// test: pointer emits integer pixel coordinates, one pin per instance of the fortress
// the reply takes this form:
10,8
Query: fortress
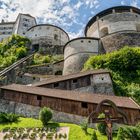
107,31
75,94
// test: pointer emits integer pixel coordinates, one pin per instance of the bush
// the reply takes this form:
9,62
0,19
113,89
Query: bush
45,115
84,125
124,66
128,132
101,126
94,136
21,52
8,118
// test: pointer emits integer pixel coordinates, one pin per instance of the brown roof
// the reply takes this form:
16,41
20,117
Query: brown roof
125,102
70,76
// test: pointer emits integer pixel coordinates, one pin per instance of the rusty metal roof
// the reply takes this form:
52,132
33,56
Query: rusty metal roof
124,102
70,76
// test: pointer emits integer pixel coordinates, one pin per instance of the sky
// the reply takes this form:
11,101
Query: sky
71,15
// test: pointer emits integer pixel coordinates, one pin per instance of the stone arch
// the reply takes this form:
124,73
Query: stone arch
104,31
99,110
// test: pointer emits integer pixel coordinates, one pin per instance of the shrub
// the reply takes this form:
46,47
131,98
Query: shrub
84,125
128,132
45,115
94,136
101,126
8,118
21,52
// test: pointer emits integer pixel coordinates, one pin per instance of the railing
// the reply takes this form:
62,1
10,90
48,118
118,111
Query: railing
14,65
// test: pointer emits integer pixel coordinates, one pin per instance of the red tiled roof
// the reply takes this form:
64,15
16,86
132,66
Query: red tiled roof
124,102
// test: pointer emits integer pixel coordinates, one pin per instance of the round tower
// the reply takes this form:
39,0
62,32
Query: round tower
116,27
47,38
77,51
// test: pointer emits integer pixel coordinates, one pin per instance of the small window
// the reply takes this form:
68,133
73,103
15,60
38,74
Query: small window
89,41
82,41
56,84
84,105
39,97
55,37
74,81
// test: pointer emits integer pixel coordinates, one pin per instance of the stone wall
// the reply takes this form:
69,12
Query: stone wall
118,40
33,111
77,51
48,69
114,22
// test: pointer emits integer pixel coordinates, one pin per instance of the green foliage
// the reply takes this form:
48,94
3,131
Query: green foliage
12,49
8,118
101,126
45,115
84,126
128,132
94,136
125,69
21,52
41,59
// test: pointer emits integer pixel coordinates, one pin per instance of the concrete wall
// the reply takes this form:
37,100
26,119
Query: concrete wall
76,52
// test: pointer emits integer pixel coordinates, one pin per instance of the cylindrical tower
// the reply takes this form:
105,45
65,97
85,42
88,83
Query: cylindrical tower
77,51
116,27
47,38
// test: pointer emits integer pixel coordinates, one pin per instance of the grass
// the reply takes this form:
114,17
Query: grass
76,133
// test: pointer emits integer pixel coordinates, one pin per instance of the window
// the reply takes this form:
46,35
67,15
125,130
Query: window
84,105
56,85
104,31
55,37
138,27
89,41
39,97
74,80
82,41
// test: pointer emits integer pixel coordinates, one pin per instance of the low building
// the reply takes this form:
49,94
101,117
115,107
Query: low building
97,81
68,106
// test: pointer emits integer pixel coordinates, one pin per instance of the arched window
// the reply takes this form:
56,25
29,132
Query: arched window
138,27
104,31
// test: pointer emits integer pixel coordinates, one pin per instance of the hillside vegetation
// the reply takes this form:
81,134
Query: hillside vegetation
125,69
12,49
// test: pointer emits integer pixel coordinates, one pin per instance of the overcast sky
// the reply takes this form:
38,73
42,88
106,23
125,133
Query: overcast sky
71,15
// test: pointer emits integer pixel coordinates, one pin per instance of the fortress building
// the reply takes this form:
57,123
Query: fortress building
47,38
107,31
20,26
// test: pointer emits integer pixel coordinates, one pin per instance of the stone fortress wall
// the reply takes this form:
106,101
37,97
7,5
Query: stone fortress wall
77,51
116,27
113,29
47,38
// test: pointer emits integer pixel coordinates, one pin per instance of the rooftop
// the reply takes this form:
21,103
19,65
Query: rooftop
70,76
124,102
